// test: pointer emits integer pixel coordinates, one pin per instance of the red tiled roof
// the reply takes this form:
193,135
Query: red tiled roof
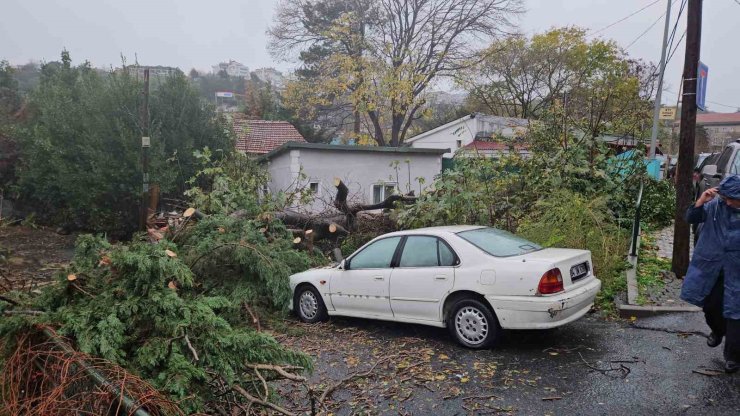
262,136
483,145
719,118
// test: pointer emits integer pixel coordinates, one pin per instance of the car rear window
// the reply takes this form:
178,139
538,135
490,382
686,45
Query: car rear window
498,243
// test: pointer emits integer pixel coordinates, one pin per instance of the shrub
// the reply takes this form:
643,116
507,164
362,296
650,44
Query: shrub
567,219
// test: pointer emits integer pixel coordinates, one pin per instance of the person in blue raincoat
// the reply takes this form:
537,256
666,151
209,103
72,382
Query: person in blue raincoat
713,278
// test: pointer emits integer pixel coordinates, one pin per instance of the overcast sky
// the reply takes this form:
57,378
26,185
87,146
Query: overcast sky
198,34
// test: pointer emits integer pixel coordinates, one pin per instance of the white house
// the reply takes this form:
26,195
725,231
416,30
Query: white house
463,131
371,173
232,69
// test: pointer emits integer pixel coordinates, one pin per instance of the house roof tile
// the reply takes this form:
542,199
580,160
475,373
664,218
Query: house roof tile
262,136
718,118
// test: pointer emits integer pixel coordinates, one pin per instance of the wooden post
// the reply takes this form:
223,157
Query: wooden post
684,169
145,143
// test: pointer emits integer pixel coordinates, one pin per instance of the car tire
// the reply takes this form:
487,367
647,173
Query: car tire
473,324
308,305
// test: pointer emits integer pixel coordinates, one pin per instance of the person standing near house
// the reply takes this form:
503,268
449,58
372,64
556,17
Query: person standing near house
713,278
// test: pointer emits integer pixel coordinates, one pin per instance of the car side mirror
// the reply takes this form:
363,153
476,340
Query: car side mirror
343,265
709,170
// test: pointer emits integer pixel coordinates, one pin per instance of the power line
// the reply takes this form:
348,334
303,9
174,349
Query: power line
711,102
648,29
675,25
674,49
627,17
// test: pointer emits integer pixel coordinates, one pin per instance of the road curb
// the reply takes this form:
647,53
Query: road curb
628,311
631,309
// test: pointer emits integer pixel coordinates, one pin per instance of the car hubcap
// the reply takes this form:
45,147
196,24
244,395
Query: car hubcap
471,325
309,304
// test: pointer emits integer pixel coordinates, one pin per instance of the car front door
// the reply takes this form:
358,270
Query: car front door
425,273
362,288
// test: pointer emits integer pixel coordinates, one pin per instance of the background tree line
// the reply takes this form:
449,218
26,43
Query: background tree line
79,138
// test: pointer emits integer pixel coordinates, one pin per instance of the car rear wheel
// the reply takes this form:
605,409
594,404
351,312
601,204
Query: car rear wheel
308,305
473,324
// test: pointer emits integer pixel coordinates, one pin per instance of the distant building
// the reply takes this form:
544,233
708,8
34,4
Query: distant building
722,128
463,131
154,71
232,69
257,137
270,75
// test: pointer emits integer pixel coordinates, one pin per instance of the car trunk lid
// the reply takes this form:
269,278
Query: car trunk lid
575,265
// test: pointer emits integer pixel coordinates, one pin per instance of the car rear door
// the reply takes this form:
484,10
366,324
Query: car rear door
424,274
362,289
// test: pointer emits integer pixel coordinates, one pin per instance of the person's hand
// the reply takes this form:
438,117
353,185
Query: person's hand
705,197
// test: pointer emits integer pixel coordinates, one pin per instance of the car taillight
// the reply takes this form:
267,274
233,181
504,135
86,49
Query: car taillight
551,282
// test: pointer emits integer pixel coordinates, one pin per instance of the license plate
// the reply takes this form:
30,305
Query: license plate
578,271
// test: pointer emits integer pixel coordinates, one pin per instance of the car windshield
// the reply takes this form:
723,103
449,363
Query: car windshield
498,243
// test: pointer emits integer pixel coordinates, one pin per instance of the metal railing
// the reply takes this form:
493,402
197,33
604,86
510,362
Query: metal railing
636,223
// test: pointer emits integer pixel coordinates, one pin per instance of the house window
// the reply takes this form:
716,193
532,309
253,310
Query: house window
459,144
382,191
313,188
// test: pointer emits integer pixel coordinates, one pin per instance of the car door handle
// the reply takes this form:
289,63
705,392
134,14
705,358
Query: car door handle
440,277
379,278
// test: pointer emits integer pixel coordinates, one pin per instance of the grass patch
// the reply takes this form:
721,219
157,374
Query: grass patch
649,268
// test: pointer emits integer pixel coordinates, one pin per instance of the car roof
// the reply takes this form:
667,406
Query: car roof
440,230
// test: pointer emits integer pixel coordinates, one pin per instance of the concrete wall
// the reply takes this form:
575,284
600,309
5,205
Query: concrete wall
358,170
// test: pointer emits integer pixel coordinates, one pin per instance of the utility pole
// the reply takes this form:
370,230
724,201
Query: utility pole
145,143
684,193
659,94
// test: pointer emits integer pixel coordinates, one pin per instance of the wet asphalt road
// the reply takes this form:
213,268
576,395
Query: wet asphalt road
529,366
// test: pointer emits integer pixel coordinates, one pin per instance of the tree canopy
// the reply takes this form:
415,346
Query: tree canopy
379,58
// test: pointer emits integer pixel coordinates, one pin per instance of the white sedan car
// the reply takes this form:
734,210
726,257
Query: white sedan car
473,280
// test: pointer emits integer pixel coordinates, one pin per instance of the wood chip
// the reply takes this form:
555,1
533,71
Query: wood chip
170,253
172,285
296,240
189,212
71,277
332,228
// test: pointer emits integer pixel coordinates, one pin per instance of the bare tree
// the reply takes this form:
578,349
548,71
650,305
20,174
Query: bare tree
385,54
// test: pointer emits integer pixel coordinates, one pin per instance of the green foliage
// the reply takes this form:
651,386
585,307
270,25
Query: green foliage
567,219
136,304
658,202
226,184
242,262
477,191
81,147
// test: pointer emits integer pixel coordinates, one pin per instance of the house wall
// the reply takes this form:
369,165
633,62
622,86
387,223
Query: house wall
465,130
358,170
447,137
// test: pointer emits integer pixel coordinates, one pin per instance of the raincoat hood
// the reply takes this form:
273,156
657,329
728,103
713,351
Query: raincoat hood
730,187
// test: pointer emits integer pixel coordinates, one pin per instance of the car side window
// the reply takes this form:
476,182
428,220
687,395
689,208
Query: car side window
446,256
419,251
377,255
724,160
736,166
426,251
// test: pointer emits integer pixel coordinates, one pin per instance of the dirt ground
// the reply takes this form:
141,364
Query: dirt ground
30,256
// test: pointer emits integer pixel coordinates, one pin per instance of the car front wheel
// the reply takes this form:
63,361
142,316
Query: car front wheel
473,324
309,305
